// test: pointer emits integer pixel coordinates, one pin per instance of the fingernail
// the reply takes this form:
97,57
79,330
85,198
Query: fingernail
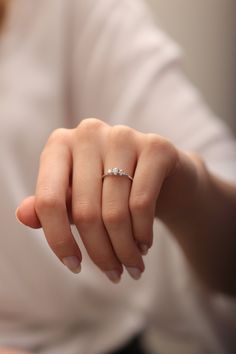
143,248
113,275
72,263
135,273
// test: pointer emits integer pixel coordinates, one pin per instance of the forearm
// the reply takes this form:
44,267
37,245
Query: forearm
200,211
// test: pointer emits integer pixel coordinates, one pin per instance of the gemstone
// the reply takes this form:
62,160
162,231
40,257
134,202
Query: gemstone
116,171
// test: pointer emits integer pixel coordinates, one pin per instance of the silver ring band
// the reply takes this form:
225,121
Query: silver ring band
115,171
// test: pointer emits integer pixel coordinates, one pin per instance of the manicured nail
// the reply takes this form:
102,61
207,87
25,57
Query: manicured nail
113,275
135,273
72,263
143,248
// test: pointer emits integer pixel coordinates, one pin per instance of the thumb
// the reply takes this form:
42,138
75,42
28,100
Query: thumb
26,213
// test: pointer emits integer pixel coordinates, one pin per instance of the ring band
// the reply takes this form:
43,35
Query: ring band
115,171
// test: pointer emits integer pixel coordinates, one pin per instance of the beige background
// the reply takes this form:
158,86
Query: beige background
206,30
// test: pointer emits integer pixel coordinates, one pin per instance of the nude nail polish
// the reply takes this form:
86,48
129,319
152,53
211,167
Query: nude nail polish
72,263
113,275
135,273
143,248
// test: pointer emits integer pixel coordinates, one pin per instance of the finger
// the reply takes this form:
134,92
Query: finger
115,202
87,210
50,204
151,170
26,213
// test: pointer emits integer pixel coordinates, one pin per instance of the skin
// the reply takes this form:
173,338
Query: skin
114,215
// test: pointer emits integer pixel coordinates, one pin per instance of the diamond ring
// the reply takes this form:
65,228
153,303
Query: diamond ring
115,171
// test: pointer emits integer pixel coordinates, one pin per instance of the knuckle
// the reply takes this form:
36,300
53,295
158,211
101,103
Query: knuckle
162,147
84,215
59,135
47,202
90,125
158,143
114,216
140,202
121,133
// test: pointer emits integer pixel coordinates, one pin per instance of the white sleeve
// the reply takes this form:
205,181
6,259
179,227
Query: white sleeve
127,71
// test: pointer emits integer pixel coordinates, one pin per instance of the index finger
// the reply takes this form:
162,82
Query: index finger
50,203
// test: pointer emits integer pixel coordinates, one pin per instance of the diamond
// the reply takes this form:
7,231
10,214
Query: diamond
116,171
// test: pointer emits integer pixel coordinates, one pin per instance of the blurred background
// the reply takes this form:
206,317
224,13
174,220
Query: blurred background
206,31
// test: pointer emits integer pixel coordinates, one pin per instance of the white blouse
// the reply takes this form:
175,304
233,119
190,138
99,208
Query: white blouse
61,61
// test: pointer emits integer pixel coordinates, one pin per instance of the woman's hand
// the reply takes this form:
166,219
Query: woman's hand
114,215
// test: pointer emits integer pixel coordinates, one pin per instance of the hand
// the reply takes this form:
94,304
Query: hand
114,216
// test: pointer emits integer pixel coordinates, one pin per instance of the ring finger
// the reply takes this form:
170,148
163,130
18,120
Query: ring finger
86,210
115,202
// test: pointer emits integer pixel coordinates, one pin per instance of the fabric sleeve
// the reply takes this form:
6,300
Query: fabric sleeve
125,70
